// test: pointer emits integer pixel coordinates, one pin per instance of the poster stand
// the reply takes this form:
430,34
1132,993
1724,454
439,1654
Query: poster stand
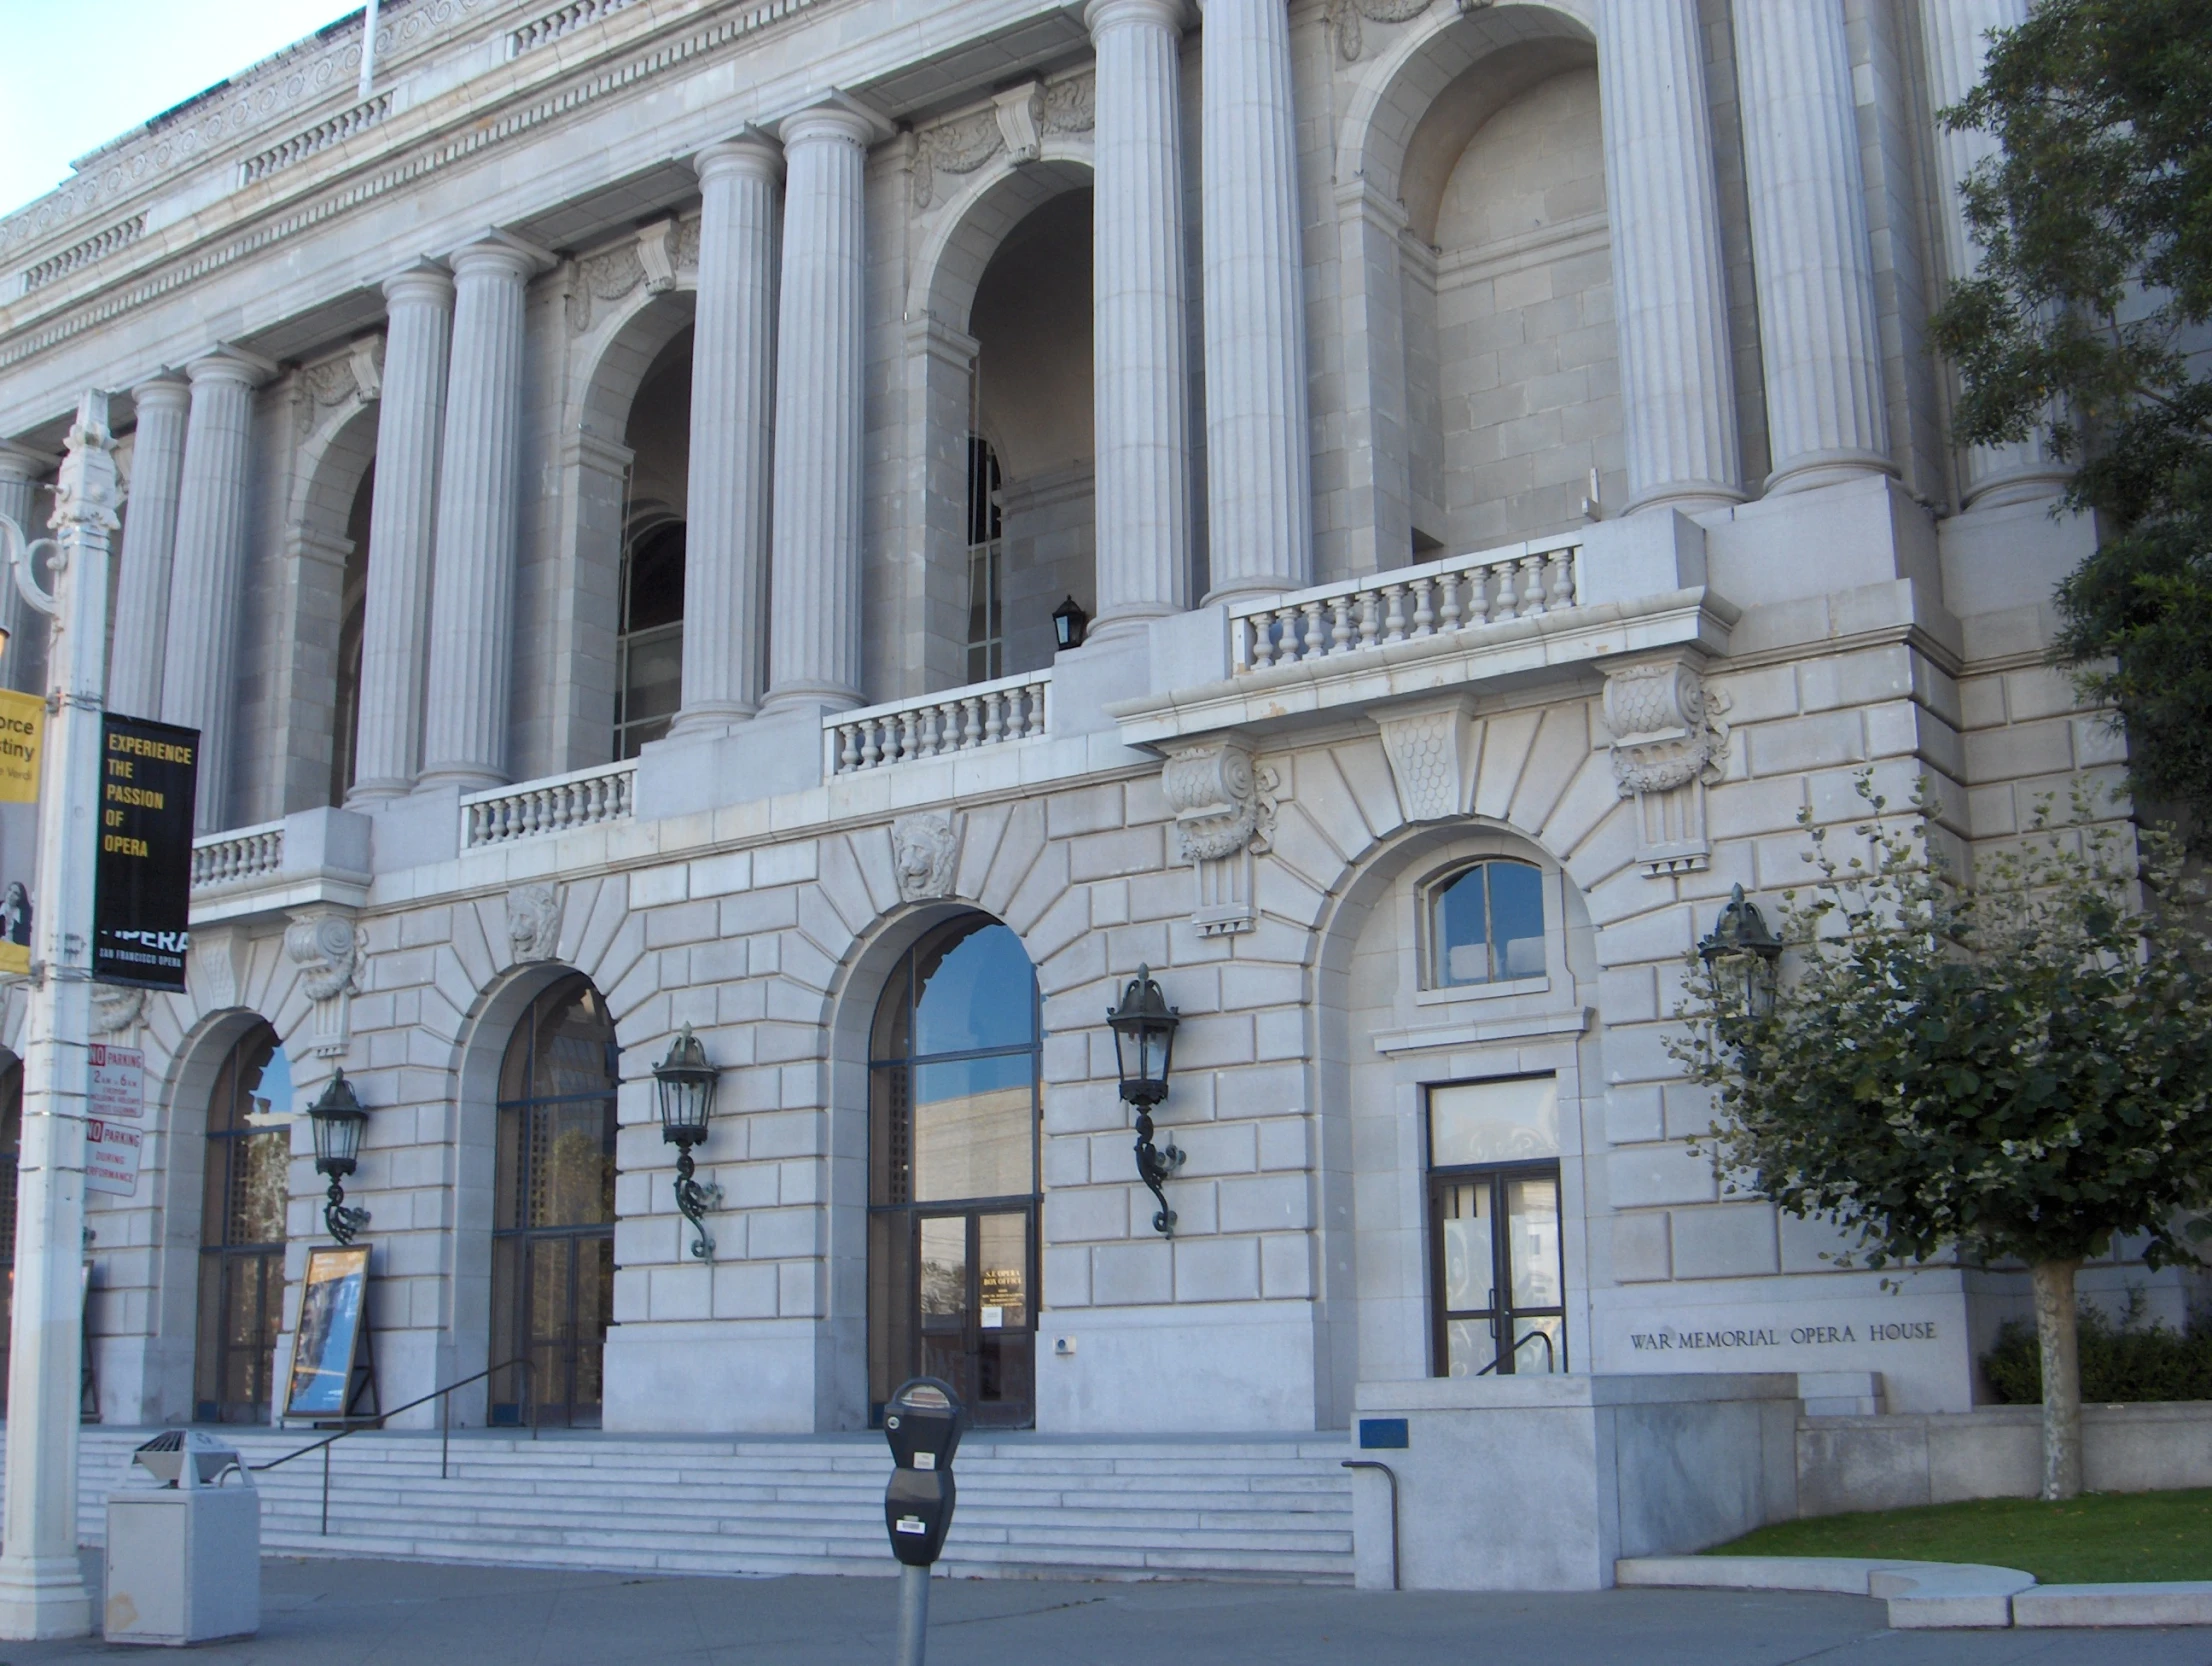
333,1377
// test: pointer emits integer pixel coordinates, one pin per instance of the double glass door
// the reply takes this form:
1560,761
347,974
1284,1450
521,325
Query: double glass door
1500,1297
973,1310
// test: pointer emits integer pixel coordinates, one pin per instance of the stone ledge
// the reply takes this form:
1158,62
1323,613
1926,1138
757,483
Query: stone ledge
2185,1602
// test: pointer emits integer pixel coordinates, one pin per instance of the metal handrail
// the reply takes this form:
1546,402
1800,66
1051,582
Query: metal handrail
445,1424
1391,1476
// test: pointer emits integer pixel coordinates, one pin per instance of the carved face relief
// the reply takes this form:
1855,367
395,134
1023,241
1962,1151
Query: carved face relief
924,847
534,921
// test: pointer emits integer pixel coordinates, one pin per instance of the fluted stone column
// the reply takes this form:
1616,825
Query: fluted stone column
1259,474
814,640
726,533
1678,396
472,589
199,670
1826,418
1955,34
149,547
21,469
395,617
1139,322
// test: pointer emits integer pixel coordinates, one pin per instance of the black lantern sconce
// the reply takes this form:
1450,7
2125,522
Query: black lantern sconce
685,1083
1744,957
1144,1048
1069,622
339,1122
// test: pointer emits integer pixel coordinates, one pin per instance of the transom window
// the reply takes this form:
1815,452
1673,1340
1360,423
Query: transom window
1496,1277
1486,924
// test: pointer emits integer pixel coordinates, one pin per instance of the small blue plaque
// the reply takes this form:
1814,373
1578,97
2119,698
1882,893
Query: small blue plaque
1382,1434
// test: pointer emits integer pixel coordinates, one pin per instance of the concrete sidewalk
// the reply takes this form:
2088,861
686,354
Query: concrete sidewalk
330,1613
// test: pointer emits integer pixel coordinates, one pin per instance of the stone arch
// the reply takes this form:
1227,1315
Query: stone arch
919,619
568,606
325,555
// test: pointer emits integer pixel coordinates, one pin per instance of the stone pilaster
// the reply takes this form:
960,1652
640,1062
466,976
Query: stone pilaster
1259,473
1139,317
1955,37
149,547
1677,395
814,644
1826,417
199,672
21,470
726,537
472,587
395,616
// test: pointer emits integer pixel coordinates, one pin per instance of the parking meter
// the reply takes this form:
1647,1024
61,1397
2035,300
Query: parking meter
923,1422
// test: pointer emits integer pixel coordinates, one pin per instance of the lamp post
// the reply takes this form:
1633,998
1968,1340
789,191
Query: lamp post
685,1082
1069,622
1144,1048
339,1121
1743,955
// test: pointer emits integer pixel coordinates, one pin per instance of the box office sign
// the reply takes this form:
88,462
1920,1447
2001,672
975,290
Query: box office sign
143,881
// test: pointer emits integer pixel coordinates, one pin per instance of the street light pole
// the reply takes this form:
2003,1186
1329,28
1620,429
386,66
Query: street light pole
42,1590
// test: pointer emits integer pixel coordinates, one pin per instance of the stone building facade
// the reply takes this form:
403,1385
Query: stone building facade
600,484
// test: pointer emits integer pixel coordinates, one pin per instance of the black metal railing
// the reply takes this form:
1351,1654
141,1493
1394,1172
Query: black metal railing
445,1425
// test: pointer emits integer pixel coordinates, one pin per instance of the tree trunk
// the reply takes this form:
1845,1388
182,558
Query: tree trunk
2059,1336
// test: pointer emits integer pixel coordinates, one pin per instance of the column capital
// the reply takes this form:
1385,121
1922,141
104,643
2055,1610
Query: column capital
168,389
226,363
495,250
748,151
1101,15
20,462
425,280
837,115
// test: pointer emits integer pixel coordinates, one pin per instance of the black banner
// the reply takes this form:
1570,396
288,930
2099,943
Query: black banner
142,892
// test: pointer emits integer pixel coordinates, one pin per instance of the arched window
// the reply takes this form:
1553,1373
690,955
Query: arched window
1486,924
952,1163
353,612
649,673
553,1226
247,1182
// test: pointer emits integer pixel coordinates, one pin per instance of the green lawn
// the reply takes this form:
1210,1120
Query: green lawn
2097,1537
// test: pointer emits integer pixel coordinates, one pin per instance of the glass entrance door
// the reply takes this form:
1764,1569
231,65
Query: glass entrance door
972,1311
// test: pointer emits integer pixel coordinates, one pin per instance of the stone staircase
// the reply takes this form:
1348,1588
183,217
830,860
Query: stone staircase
1256,1507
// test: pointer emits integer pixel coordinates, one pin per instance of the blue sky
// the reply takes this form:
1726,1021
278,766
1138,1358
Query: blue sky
75,73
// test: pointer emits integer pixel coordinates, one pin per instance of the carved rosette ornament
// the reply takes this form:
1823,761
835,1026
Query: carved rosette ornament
329,949
1224,804
534,922
1669,745
925,848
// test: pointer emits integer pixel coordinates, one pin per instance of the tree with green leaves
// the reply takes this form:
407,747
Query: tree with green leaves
2087,322
2011,1065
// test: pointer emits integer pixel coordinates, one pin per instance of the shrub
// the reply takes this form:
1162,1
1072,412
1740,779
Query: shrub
2127,1360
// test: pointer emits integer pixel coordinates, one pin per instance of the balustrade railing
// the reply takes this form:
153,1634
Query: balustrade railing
938,725
557,804
1452,597
245,853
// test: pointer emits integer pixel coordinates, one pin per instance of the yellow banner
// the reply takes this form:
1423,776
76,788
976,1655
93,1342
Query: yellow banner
22,731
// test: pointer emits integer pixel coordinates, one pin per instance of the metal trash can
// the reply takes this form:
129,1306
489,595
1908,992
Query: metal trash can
184,1553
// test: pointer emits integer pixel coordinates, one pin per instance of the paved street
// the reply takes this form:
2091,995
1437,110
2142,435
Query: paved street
404,1614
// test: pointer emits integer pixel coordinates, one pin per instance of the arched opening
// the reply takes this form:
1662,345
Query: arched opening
1032,452
345,735
649,633
955,1074
246,1183
553,1202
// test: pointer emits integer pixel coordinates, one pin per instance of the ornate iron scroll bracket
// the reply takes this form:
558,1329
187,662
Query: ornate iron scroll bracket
1155,1167
343,1219
693,1199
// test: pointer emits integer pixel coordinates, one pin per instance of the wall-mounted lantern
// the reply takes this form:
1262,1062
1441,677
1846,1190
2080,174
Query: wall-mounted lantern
1744,957
339,1121
1144,1048
1069,622
685,1082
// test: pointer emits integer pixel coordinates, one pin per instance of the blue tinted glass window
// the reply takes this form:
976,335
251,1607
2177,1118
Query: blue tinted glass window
1486,924
980,992
1516,919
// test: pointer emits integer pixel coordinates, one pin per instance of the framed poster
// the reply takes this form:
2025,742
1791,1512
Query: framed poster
333,1377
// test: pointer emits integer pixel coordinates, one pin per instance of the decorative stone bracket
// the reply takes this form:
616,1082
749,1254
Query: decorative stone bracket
1669,744
925,849
1016,122
1224,804
329,949
1431,751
